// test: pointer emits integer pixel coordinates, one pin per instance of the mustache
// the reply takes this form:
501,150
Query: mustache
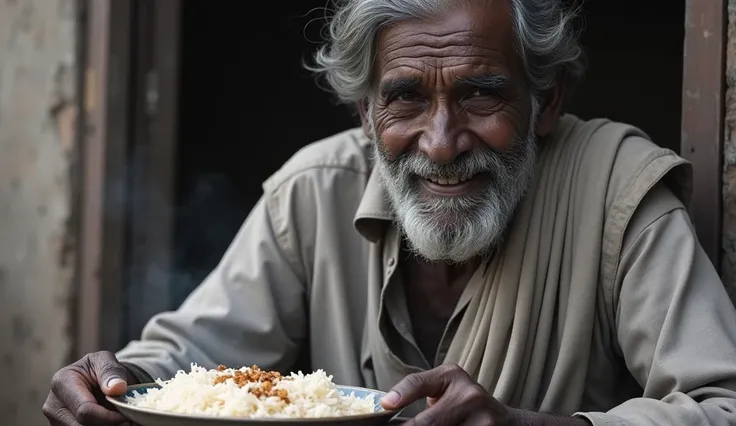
467,164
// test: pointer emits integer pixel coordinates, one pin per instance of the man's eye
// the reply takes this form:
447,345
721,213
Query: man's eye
479,93
406,97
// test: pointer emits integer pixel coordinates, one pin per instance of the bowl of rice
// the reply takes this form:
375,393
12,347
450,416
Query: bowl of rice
250,396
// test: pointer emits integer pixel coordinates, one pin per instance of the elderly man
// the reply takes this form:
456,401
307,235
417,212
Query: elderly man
484,257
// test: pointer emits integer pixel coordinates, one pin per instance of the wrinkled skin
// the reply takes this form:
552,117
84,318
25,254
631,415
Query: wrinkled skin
453,398
78,392
433,85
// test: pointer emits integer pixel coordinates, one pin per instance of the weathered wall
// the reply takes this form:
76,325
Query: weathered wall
37,89
728,266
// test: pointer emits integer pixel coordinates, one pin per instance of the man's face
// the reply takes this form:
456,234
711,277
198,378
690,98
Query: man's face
454,126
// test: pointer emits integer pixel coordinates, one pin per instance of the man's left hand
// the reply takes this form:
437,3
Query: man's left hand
453,397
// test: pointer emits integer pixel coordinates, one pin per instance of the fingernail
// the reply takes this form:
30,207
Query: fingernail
391,398
114,381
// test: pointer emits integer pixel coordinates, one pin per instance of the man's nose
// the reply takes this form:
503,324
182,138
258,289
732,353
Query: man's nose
442,141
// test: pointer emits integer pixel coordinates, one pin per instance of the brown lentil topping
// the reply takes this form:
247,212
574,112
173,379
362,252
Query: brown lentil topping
266,381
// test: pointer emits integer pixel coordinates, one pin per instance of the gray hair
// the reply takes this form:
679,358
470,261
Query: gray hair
546,42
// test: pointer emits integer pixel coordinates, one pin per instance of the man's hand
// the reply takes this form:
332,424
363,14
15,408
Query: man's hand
454,398
78,392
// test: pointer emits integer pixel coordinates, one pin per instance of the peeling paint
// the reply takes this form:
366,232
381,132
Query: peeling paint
37,124
728,264
65,118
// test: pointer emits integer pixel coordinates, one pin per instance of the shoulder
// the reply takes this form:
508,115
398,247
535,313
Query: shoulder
318,190
347,153
655,211
622,156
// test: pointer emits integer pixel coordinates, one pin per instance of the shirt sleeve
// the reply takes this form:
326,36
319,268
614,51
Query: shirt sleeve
676,329
250,310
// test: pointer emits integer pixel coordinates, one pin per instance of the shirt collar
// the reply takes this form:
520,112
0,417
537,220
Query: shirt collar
374,212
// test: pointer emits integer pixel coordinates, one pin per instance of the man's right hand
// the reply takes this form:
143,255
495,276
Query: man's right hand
78,392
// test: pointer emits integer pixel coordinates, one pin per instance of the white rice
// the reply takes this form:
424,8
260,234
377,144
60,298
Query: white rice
194,393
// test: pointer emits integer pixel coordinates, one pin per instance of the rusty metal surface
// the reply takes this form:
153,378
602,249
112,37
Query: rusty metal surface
703,116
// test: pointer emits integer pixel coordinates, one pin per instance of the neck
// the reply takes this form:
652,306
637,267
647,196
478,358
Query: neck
450,274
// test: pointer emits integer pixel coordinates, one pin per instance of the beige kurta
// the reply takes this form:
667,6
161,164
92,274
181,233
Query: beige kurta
300,288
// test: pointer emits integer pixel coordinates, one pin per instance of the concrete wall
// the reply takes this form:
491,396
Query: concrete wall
37,90
728,266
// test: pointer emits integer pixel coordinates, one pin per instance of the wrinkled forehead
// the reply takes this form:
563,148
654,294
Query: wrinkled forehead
473,38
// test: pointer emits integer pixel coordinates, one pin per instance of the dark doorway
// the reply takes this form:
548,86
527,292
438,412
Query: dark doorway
246,105
635,56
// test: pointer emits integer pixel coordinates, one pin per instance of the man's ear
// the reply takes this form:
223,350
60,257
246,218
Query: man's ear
363,112
551,109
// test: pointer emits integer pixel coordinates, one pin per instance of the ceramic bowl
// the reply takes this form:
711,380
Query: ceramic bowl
149,417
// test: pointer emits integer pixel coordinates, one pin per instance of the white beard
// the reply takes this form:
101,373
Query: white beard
457,229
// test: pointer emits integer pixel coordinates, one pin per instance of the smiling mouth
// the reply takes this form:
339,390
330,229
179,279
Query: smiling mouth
455,186
451,181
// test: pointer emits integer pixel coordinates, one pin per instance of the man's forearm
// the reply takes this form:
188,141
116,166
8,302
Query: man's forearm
530,418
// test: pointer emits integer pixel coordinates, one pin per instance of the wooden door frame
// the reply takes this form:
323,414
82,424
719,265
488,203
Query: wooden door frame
103,130
703,113
128,100
153,160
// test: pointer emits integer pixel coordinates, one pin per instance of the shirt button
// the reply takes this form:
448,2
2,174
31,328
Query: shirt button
391,262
